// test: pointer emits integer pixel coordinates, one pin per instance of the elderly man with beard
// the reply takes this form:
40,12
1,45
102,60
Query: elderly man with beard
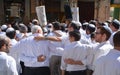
7,63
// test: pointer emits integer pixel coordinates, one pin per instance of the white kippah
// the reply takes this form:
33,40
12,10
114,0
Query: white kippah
116,22
3,27
9,30
34,20
86,23
77,22
91,25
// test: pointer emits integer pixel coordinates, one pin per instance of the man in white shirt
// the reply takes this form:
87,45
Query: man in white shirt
55,55
7,63
75,50
110,64
11,33
34,54
102,36
115,25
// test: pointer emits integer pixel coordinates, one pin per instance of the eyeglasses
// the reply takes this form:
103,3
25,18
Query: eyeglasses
97,33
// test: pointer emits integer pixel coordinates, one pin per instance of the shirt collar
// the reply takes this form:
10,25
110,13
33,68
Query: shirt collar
3,53
116,51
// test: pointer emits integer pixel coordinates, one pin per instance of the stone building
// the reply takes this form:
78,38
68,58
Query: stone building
24,10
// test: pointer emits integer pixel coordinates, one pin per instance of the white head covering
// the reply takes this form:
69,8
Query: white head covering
3,27
10,30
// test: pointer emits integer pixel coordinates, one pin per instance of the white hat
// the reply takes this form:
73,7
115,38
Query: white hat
34,20
10,30
77,22
86,23
3,27
21,24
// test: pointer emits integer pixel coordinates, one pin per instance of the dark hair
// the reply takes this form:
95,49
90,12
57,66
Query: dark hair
23,28
56,25
3,42
62,27
11,34
116,24
92,35
74,26
104,30
93,22
75,34
116,39
90,28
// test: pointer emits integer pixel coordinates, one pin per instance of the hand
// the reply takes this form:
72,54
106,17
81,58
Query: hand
69,61
39,38
57,34
72,62
41,58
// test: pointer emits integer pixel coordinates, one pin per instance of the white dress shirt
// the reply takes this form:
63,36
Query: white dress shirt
109,64
15,54
90,55
31,49
7,65
56,47
111,38
101,50
76,51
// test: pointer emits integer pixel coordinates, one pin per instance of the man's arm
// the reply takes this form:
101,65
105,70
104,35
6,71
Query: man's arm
63,72
12,69
51,38
73,62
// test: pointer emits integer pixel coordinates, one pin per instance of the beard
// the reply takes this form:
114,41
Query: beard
7,50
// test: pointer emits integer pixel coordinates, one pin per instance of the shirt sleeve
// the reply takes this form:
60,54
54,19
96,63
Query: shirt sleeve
63,64
12,69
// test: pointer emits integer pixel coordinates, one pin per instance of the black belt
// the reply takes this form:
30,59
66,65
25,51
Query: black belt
76,71
37,67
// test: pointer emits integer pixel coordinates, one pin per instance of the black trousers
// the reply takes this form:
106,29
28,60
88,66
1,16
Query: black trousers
82,72
36,71
22,66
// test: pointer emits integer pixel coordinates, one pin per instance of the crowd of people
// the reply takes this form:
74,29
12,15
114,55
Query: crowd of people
70,48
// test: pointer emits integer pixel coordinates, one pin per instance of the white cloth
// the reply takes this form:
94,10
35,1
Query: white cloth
2,33
22,35
111,38
31,49
56,47
13,42
85,40
15,54
7,65
109,64
65,40
77,52
101,50
90,52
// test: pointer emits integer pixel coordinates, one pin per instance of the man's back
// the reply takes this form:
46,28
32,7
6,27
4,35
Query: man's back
8,65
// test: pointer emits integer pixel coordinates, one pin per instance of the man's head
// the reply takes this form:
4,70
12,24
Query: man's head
4,44
90,28
116,39
115,25
56,25
23,28
73,26
74,35
36,29
11,33
102,34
